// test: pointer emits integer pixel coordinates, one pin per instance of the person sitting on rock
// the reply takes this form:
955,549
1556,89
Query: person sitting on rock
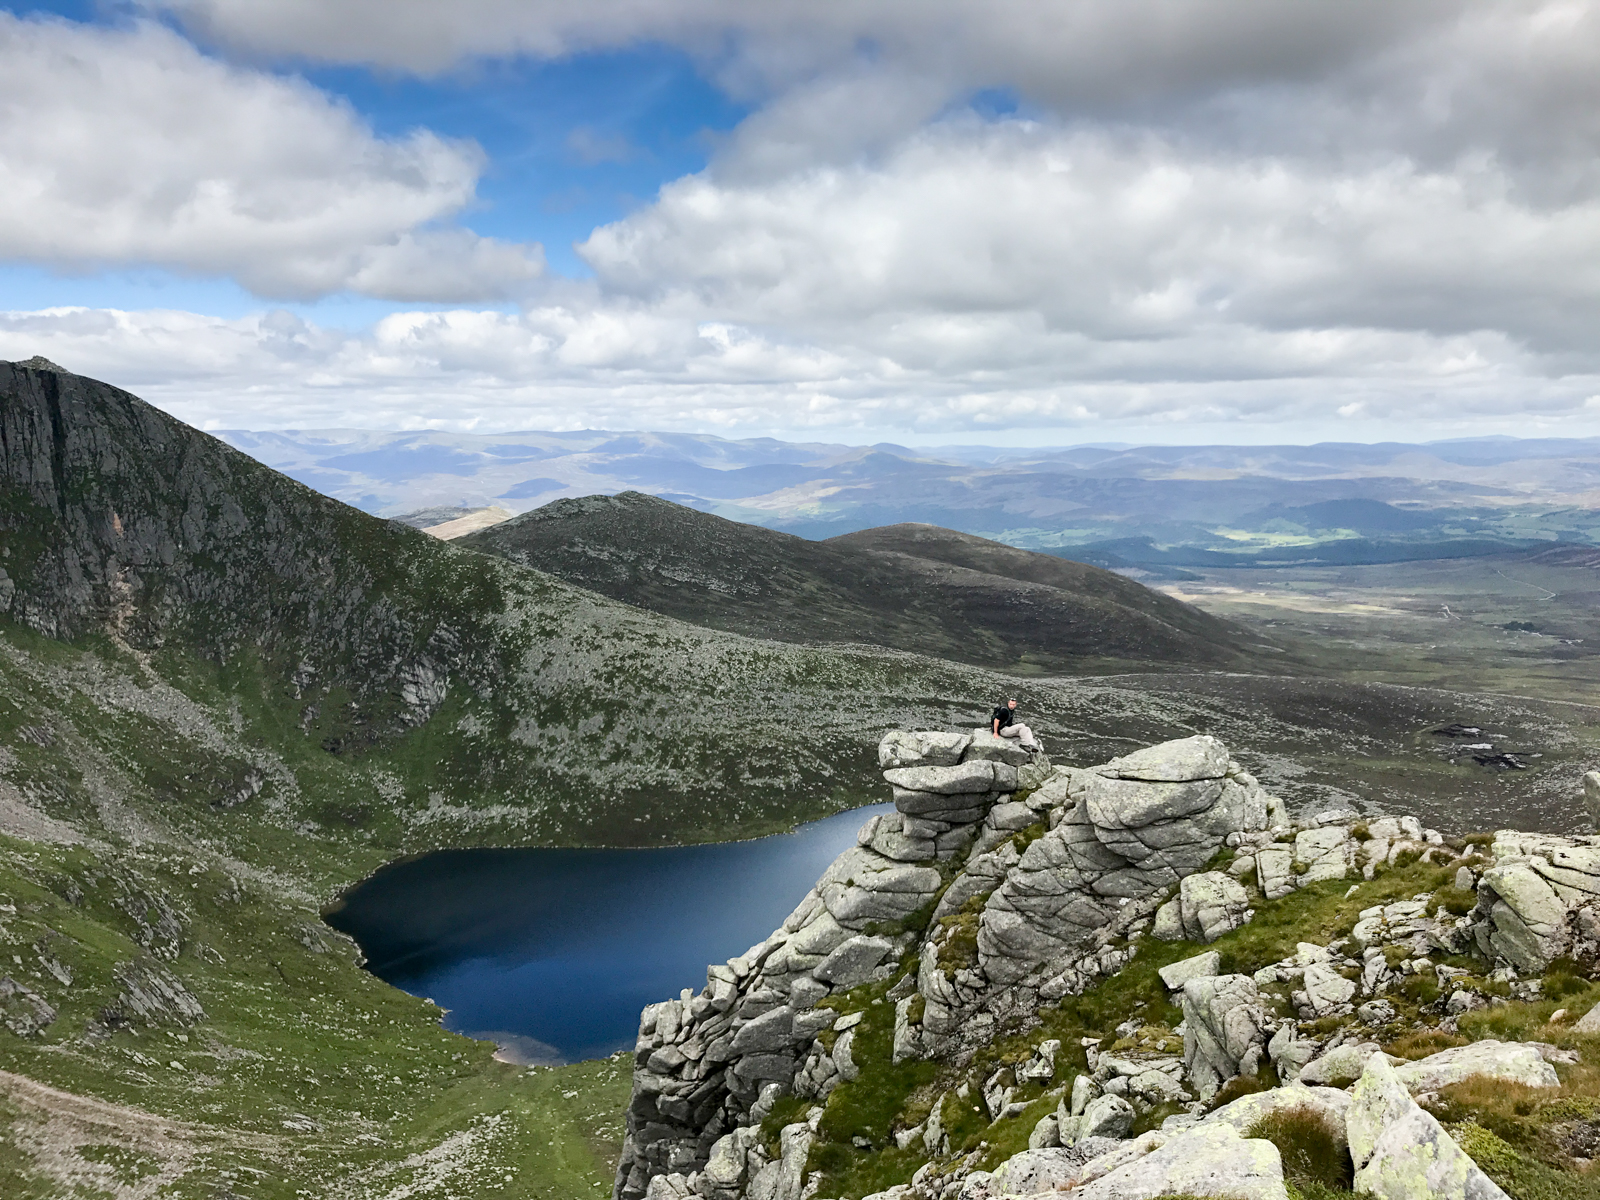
1005,724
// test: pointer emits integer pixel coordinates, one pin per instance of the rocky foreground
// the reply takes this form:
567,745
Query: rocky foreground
1231,1003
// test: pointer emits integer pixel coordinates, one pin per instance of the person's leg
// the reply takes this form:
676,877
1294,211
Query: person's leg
1025,737
1012,731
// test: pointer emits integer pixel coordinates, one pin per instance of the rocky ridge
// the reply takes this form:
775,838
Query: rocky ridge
1003,886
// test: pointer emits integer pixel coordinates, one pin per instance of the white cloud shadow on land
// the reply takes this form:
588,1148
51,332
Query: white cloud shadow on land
128,147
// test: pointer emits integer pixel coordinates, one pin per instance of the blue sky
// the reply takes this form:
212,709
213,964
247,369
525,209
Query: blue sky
999,221
572,144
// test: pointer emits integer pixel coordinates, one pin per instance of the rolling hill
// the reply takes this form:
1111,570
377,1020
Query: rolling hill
908,587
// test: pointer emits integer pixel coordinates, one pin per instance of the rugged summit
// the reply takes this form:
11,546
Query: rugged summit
954,942
910,587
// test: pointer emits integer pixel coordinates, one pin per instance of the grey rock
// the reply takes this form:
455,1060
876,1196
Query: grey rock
885,835
1327,853
1199,966
1327,992
1223,1020
1010,816
1275,871
1376,1012
1290,1054
1084,1090
1212,904
963,779
22,1010
1046,1133
1035,1171
1589,1022
854,961
1209,1160
1179,761
1106,1116
1513,1062
1526,925
985,747
1168,923
1244,1112
805,992
1401,1152
921,748
1340,1066
771,1031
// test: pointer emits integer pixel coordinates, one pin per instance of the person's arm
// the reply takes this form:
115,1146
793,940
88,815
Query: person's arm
995,730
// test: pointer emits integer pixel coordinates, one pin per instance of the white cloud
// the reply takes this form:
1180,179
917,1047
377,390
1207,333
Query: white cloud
1217,211
129,147
1133,244
610,365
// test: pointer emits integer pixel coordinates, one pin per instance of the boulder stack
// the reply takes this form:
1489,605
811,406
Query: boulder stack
706,1064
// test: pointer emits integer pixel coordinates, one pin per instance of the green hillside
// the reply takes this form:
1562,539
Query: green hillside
225,698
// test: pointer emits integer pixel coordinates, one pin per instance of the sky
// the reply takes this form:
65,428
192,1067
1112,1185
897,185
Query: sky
1012,222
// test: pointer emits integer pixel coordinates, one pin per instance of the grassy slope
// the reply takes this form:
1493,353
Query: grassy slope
914,588
887,1097
226,709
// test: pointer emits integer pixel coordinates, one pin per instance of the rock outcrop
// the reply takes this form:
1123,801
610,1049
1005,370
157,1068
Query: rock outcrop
1002,885
706,1063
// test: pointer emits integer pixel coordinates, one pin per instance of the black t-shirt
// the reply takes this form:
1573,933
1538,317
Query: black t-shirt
1004,715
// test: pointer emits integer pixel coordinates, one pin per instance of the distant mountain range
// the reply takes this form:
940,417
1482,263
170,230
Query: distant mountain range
1149,509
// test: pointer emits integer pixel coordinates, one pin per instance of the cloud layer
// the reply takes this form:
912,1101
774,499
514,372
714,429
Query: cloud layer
1202,211
129,148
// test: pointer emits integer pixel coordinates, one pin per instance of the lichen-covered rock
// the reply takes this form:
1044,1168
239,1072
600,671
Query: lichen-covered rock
1340,1066
1324,853
921,748
1275,871
1400,1152
1105,1116
1540,901
1327,993
1332,1103
1210,1160
1046,1169
1180,761
1200,966
1211,904
1513,1062
1223,1022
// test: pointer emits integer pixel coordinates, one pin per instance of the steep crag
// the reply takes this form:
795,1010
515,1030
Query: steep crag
1041,885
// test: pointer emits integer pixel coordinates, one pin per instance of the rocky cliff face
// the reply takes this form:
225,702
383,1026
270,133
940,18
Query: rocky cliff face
1002,887
117,518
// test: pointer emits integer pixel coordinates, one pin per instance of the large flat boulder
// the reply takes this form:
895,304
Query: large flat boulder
1179,761
1513,1062
1400,1152
1210,1160
966,777
1332,1103
921,748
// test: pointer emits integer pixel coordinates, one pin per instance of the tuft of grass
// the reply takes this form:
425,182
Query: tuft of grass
1313,1148
1264,1080
1457,901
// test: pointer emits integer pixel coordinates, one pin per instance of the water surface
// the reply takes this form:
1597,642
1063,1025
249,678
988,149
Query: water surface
553,953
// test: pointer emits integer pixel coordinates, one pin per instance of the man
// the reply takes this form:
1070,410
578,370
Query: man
1005,724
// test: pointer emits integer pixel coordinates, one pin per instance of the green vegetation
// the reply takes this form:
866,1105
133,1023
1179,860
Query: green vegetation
1313,1148
887,1097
